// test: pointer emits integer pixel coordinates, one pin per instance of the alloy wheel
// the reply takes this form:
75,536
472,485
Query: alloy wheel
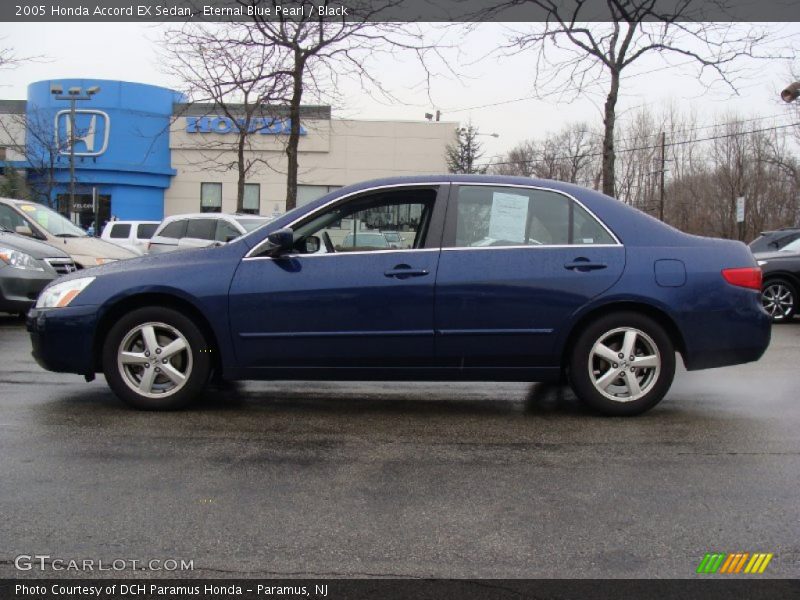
154,360
777,300
624,364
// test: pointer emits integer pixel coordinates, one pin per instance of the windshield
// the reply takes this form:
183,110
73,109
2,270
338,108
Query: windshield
252,224
792,246
51,221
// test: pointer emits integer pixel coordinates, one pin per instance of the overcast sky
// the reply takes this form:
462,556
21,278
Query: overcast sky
495,92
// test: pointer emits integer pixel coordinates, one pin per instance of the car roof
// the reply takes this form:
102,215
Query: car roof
226,216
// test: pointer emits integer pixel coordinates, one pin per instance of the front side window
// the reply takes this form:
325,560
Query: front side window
226,232
11,219
358,225
145,231
502,216
210,197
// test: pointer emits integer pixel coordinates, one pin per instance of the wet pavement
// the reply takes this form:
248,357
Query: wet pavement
403,479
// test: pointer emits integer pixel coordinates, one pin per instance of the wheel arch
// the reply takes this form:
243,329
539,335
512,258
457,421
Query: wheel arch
788,275
156,299
658,315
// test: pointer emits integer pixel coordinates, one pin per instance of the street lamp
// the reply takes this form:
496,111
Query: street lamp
791,93
74,95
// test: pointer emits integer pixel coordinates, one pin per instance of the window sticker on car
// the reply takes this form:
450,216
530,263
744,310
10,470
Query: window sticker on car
588,240
508,217
28,208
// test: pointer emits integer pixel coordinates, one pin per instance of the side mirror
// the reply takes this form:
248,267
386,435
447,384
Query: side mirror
311,244
24,230
281,241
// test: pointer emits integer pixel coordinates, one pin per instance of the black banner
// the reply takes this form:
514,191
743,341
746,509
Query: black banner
388,10
394,589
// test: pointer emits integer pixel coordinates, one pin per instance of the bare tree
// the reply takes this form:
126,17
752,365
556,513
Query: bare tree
574,57
223,71
317,50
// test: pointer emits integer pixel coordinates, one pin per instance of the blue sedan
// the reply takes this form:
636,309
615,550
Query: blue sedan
504,278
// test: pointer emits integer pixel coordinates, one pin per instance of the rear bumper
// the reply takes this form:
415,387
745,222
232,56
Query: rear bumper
19,288
733,336
62,338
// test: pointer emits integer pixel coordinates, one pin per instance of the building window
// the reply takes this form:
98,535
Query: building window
210,197
309,193
251,203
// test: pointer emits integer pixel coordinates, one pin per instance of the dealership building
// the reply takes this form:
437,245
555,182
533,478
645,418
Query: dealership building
141,152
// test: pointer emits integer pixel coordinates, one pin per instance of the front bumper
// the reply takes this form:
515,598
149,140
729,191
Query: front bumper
62,338
19,288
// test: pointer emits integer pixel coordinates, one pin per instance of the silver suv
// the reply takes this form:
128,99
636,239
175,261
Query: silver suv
201,230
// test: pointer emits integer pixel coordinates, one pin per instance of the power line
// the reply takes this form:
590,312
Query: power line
624,150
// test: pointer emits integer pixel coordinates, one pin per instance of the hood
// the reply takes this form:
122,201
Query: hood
92,247
30,246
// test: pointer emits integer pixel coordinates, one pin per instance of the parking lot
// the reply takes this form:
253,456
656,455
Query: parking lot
403,479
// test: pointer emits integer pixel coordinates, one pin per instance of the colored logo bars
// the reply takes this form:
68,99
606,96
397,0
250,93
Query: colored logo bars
739,562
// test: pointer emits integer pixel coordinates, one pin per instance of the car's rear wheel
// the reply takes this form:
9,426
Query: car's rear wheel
779,298
622,364
156,359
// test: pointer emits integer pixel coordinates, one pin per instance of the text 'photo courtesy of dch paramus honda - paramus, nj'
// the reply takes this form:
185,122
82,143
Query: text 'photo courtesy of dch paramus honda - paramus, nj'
501,279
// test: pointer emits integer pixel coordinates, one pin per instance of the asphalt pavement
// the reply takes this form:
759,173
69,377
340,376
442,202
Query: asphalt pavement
314,479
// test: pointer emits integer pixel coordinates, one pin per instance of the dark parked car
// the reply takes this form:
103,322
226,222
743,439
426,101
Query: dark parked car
506,278
770,241
26,266
781,269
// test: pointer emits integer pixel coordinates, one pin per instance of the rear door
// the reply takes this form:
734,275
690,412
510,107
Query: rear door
516,263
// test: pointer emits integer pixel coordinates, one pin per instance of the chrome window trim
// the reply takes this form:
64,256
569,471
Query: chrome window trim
543,189
356,253
257,248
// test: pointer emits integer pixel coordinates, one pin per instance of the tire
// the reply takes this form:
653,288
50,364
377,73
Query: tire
779,299
173,380
606,385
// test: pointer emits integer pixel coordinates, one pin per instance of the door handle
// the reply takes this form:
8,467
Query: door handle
583,264
405,271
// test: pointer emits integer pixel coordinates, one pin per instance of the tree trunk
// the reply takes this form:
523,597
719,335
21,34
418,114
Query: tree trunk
294,131
241,169
609,120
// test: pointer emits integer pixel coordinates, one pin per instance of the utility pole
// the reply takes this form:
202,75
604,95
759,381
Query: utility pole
663,173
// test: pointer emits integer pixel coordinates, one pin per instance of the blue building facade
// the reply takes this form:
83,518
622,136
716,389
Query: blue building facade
122,150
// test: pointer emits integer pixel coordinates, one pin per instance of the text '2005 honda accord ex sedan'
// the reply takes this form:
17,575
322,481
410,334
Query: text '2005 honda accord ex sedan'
499,279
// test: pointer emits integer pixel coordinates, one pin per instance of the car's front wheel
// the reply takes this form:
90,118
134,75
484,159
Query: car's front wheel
622,364
778,298
156,359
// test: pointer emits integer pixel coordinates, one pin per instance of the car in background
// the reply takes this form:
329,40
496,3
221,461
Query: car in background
41,223
580,287
770,241
132,235
363,240
26,266
180,232
780,290
395,239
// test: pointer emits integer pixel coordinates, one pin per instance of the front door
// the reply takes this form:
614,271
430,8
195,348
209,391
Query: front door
356,302
516,263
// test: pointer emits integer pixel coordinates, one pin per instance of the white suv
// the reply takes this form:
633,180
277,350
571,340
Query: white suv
132,235
200,230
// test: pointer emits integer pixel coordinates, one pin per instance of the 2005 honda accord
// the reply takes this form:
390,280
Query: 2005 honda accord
503,279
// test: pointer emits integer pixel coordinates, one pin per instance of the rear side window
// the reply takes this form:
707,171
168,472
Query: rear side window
201,229
144,231
120,231
175,230
499,216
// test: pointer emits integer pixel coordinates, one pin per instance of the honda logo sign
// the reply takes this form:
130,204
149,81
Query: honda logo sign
92,128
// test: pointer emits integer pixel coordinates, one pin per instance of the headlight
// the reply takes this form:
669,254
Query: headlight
19,260
61,294
761,263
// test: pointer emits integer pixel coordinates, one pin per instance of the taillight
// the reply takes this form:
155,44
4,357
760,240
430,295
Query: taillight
747,277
